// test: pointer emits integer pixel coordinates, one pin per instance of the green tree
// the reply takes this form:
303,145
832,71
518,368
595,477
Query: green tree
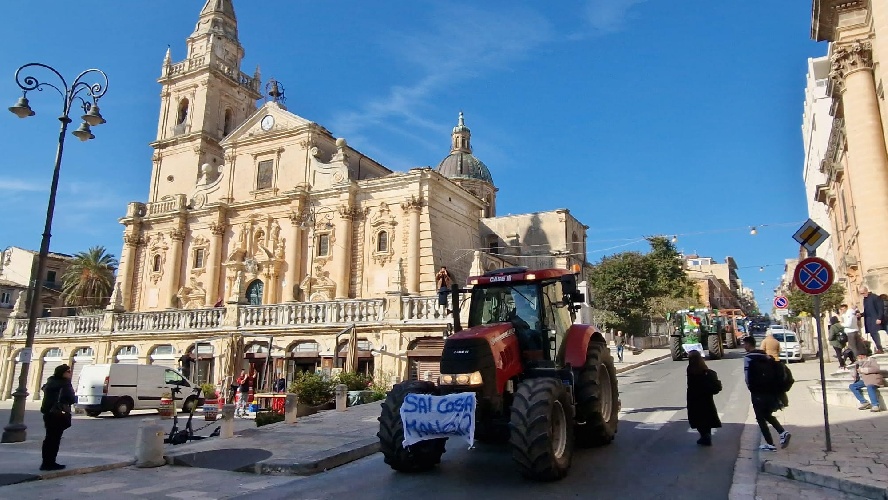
89,278
621,283
801,302
669,278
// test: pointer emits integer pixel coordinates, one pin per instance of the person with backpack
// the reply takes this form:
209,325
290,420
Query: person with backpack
58,396
703,384
838,339
768,381
867,373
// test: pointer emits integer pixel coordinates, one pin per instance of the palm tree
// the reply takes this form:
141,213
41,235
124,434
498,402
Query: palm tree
89,279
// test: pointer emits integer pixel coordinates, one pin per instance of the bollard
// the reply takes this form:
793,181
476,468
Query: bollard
227,427
290,408
149,444
341,397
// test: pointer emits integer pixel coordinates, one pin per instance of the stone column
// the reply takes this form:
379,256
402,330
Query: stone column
177,236
126,274
413,208
852,74
342,250
294,261
214,263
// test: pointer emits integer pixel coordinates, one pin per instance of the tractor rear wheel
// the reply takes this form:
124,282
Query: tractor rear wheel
716,350
732,340
598,398
542,429
418,457
676,348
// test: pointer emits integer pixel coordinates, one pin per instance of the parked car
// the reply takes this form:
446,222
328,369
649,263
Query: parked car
121,388
790,346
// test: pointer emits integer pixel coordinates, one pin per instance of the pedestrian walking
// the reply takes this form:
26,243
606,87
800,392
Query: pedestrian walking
243,385
867,373
837,339
873,316
58,396
620,342
703,384
771,346
764,379
849,317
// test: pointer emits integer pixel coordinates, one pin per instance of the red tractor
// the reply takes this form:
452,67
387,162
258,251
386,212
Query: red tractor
541,382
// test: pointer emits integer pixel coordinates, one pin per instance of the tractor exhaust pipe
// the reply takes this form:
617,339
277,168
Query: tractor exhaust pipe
454,298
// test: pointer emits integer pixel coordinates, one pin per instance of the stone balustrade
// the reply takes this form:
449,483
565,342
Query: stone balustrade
249,318
177,204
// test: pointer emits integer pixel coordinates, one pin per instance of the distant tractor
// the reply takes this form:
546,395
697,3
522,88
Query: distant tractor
734,323
696,326
541,382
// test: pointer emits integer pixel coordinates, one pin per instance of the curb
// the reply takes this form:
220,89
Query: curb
320,462
85,470
642,363
859,486
747,465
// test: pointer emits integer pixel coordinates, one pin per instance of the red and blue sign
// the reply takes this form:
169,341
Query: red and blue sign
781,302
813,276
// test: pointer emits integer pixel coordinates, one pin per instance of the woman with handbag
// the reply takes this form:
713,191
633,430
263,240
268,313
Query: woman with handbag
58,396
703,384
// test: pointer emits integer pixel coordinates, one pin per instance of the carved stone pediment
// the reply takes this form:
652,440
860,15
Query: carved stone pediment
318,287
382,234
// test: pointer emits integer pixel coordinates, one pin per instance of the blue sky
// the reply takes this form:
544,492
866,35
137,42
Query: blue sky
641,116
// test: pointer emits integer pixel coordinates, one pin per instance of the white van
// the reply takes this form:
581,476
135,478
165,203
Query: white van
121,388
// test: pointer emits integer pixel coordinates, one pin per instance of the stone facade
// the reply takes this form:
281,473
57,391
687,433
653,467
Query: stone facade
856,160
16,265
267,243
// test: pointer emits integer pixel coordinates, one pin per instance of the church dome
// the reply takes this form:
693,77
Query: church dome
462,165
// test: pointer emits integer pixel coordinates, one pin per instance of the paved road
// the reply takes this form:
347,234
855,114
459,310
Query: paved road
655,455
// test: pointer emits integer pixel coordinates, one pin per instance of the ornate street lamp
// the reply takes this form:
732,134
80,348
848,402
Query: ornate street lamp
311,218
14,432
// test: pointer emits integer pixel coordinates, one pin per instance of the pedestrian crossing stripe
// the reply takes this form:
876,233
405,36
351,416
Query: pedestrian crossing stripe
657,419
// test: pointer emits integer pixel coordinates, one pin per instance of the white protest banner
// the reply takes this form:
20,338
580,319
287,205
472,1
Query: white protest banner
693,347
429,417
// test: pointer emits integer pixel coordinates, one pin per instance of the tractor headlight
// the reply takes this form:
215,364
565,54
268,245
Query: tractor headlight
461,379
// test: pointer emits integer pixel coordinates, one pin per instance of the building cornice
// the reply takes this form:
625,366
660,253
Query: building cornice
825,16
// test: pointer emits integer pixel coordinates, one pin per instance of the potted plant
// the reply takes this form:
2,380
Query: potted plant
314,392
358,386
167,408
211,402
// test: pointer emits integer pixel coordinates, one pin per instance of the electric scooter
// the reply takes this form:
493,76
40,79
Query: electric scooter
187,434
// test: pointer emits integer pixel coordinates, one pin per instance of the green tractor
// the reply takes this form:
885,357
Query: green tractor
696,326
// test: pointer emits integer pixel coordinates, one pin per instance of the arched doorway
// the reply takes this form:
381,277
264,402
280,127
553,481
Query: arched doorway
424,355
164,355
255,358
127,355
365,356
82,356
51,358
303,356
204,363
254,292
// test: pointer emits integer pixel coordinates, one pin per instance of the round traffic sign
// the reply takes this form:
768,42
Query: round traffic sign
813,276
781,302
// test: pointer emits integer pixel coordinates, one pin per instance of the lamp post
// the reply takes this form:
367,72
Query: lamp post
14,432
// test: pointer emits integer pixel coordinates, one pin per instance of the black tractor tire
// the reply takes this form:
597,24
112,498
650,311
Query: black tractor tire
714,344
542,429
122,407
731,340
419,457
598,398
93,414
676,348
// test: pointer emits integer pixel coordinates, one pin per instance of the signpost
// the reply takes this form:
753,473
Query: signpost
781,302
814,276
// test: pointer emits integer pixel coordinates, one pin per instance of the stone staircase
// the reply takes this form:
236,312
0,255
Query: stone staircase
837,392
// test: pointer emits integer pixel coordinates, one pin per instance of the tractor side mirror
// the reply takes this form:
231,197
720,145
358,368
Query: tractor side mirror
569,285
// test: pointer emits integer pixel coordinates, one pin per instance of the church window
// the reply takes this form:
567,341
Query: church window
199,257
382,242
254,293
183,112
323,245
264,174
155,266
226,128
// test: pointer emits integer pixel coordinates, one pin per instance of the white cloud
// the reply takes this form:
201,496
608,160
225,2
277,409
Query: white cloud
608,16
21,186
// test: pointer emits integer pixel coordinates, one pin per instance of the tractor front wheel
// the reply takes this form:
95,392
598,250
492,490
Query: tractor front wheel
542,429
418,457
598,398
716,350
676,348
732,340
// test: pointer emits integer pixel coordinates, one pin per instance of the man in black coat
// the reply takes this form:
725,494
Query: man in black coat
873,316
58,396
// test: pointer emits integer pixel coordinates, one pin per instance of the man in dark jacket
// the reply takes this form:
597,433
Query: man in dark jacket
873,316
766,398
58,396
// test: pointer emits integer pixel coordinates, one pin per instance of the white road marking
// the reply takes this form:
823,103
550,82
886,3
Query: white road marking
721,416
656,420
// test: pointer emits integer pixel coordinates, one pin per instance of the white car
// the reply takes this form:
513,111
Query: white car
790,345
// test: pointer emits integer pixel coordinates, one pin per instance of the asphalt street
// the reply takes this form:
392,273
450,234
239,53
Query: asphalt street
655,454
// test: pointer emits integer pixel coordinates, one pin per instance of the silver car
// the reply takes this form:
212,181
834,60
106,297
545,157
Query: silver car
790,345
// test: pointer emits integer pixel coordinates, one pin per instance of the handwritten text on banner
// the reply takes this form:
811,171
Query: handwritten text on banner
429,417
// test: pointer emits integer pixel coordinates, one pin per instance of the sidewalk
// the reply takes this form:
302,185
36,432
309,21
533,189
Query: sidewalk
858,463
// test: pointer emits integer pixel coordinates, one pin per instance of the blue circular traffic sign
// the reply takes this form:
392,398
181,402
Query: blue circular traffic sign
781,302
813,276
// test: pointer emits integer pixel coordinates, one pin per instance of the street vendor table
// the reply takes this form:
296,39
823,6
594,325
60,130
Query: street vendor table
272,401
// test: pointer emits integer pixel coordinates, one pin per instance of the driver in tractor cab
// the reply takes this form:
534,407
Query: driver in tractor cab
525,318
